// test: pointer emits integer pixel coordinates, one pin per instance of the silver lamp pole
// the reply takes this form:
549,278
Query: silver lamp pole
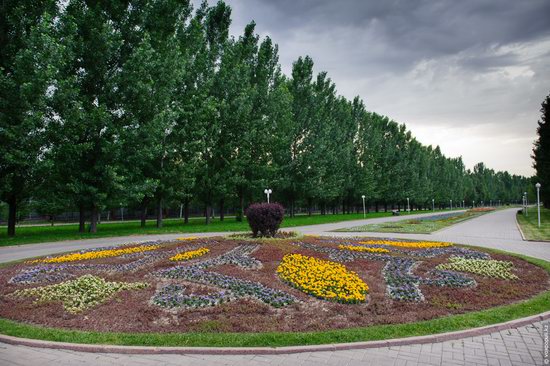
364,209
433,204
408,206
538,200
268,191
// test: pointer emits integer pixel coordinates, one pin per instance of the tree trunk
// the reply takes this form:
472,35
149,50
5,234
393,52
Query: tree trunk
12,215
52,218
93,221
81,219
159,212
385,207
186,211
292,207
309,208
222,209
208,213
376,206
143,215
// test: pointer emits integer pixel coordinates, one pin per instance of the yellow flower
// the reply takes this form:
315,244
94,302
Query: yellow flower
97,254
363,249
408,244
188,238
323,279
185,256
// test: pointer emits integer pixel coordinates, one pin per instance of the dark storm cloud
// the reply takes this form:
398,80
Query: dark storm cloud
468,75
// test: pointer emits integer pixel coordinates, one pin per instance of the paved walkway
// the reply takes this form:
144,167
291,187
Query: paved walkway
520,346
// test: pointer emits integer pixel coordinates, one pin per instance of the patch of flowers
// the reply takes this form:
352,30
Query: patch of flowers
79,294
236,288
322,279
41,273
358,248
408,244
173,296
442,216
185,256
188,238
485,267
95,254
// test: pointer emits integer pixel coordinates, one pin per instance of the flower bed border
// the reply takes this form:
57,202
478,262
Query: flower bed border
436,330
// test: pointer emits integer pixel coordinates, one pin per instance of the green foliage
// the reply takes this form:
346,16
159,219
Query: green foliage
140,103
485,267
79,294
541,152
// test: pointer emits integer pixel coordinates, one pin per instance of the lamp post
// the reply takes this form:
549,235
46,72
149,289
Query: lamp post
526,204
121,213
491,203
473,204
538,200
408,206
268,191
433,204
364,209
451,201
462,203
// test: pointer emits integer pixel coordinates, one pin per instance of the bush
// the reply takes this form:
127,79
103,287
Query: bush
265,218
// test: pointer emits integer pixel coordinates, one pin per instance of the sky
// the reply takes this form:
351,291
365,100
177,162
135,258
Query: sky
466,75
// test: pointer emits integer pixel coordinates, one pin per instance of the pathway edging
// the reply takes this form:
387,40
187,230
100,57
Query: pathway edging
434,338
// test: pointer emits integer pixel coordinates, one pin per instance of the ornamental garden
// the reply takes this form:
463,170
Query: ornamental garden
237,284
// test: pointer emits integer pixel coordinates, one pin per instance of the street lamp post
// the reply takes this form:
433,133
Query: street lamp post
268,191
462,203
121,213
451,201
433,204
491,203
473,204
408,206
364,209
526,204
538,200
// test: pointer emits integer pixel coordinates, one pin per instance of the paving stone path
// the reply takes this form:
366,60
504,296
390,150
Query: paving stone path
519,346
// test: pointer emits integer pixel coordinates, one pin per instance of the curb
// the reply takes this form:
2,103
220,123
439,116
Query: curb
435,338
519,228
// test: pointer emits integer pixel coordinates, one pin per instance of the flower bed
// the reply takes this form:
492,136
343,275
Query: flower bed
358,248
484,267
322,279
290,285
185,256
79,294
96,254
404,244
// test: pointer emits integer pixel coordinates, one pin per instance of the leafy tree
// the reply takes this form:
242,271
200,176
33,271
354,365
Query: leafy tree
30,58
541,152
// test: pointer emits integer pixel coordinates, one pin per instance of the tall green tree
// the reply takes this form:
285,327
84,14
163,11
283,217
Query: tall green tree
541,152
30,56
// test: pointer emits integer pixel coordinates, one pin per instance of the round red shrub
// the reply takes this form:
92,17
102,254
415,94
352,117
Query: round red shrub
265,218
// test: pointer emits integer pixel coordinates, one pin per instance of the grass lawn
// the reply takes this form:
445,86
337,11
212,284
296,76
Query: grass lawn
529,224
533,306
414,226
39,234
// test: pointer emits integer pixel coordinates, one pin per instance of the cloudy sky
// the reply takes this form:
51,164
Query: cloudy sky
466,75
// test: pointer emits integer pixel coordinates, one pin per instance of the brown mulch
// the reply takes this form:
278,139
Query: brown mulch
132,311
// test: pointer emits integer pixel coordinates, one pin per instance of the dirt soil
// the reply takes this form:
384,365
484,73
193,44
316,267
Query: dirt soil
132,311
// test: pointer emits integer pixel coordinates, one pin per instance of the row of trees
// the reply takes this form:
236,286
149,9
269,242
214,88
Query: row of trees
147,103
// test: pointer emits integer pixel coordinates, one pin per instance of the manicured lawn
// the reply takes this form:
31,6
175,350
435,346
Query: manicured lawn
529,224
415,226
535,305
40,234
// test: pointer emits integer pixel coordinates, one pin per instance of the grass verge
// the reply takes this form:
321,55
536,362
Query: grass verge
41,234
529,224
414,226
533,306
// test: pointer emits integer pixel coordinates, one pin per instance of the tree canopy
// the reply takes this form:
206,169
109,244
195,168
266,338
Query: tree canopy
152,104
